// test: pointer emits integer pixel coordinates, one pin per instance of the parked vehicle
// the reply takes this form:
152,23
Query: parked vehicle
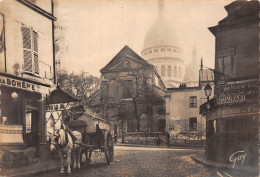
96,136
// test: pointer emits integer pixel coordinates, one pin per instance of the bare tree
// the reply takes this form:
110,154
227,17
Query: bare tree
79,85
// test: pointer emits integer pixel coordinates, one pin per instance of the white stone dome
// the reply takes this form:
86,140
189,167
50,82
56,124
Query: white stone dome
161,33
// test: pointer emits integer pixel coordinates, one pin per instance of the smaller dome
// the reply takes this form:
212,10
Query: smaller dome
161,33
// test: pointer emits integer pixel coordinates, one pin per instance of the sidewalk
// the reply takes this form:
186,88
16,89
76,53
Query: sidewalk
32,169
201,158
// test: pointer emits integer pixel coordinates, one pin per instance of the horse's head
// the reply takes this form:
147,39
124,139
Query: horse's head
54,139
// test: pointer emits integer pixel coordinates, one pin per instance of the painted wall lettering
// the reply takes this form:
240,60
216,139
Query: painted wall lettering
22,85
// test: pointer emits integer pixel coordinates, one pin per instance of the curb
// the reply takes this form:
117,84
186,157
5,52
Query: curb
223,166
36,172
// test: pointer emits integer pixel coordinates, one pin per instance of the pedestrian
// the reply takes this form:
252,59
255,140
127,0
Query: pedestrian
115,138
168,139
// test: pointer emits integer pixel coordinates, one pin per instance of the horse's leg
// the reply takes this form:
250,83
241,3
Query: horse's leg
78,157
69,161
62,162
74,159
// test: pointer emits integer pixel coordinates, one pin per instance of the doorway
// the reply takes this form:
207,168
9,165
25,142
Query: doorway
162,125
32,128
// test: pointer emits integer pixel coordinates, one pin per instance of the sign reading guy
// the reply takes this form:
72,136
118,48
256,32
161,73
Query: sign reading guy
237,157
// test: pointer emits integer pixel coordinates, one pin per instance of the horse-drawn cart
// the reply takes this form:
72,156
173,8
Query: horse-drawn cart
96,136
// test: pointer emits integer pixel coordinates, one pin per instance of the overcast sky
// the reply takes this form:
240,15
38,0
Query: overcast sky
97,30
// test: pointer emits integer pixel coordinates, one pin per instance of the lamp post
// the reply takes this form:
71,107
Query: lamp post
208,91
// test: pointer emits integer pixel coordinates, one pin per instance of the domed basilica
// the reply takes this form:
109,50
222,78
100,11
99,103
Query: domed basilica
162,49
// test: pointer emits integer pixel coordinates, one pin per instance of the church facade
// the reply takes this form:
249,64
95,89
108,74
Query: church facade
131,96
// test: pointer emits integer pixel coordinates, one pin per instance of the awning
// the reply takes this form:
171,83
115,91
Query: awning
59,96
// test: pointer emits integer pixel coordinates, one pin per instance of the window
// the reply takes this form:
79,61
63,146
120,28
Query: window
169,49
127,88
30,50
169,71
160,112
180,72
175,71
193,101
150,51
145,53
163,70
193,124
225,65
155,50
162,49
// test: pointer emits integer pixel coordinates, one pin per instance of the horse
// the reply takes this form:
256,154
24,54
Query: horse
61,141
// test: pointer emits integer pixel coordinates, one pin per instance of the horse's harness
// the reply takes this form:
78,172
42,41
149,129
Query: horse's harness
57,138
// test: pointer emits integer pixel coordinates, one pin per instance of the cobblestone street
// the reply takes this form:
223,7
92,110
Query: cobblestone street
138,161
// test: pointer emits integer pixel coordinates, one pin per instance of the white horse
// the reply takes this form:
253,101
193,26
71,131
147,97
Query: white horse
62,142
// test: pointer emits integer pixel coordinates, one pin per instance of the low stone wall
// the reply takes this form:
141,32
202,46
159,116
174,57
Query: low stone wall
160,139
145,138
187,139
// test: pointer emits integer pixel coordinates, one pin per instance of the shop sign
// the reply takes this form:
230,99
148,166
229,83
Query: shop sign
235,110
236,92
24,85
56,107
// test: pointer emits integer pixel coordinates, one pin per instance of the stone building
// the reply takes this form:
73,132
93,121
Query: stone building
233,114
27,73
131,94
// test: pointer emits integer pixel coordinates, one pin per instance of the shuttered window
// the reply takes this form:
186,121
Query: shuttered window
30,50
35,52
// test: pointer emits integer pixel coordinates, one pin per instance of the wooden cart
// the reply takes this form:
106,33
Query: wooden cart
95,136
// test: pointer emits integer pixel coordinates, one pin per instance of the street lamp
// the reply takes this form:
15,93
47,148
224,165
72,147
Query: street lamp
208,91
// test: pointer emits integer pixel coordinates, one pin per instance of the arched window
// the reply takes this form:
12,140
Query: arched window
169,71
163,70
175,71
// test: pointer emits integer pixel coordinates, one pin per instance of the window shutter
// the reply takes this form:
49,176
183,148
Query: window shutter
27,48
35,48
27,60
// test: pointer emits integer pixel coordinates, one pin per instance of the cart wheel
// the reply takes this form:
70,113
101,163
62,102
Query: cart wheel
109,149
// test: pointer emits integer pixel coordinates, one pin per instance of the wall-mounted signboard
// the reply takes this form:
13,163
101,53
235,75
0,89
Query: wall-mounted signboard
237,92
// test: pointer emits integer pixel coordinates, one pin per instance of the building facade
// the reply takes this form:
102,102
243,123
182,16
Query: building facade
233,115
131,90
183,107
26,72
